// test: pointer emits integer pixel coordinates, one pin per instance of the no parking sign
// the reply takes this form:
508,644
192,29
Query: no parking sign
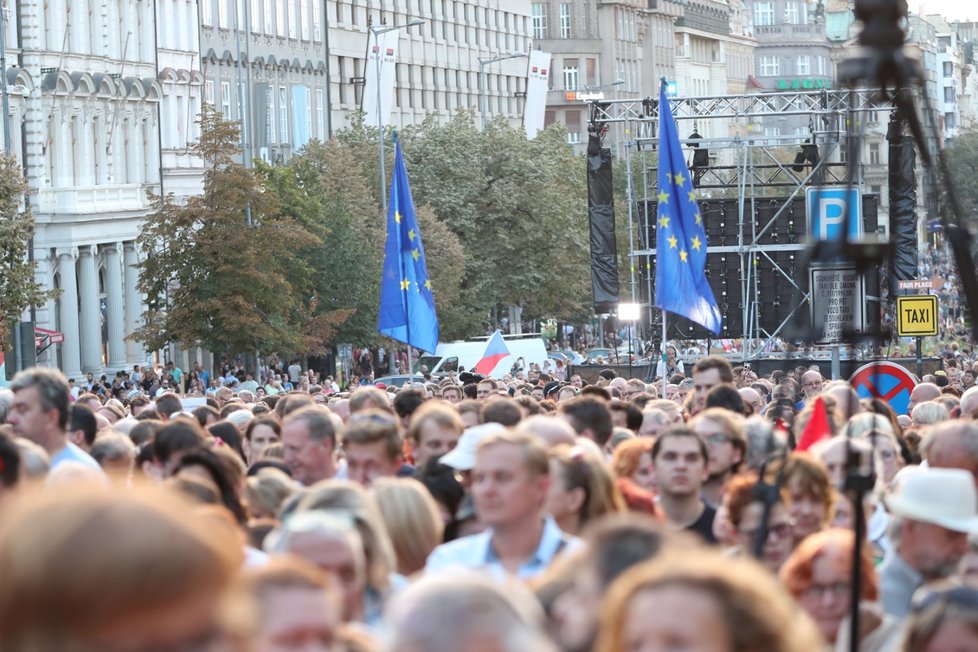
885,380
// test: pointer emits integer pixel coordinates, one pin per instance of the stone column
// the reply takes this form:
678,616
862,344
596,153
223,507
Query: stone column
85,172
90,326
70,357
135,354
115,309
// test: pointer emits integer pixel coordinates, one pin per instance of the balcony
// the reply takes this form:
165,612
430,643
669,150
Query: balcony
80,200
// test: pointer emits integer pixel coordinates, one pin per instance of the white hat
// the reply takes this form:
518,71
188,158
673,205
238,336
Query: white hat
944,497
462,457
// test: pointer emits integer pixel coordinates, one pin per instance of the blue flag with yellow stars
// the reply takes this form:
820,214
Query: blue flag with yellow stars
407,306
681,286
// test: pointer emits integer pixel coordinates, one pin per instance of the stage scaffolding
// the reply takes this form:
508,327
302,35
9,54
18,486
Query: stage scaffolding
752,172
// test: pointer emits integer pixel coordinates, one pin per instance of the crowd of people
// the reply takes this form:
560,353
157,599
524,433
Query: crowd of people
711,511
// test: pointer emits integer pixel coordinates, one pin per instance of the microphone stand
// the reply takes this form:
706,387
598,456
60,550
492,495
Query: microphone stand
883,62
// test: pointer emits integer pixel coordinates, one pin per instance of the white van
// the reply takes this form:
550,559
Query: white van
451,357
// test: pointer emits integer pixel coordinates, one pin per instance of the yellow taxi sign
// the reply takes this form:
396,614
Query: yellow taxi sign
917,315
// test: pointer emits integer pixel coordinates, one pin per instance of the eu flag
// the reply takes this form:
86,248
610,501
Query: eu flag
681,286
407,306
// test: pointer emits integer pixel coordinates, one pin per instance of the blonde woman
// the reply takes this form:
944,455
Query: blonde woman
581,488
413,521
703,601
350,497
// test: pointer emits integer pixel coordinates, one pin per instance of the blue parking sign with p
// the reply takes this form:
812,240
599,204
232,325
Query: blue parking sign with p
827,210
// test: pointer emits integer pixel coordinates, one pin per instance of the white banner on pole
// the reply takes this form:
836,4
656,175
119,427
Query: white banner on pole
537,84
383,53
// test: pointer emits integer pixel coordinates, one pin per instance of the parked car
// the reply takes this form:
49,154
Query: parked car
398,380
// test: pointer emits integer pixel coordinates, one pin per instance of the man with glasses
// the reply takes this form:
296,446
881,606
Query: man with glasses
723,432
811,385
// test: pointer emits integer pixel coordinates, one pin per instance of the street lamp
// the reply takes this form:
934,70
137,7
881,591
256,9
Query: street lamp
605,87
377,30
482,82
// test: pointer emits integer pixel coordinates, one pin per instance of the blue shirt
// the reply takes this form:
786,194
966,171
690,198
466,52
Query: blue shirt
476,552
72,453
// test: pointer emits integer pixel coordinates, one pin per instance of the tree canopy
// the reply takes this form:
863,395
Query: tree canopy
289,257
18,288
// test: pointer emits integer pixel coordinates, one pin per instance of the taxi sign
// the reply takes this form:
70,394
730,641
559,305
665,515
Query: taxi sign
917,315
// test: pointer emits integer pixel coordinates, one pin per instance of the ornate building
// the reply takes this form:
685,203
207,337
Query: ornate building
84,121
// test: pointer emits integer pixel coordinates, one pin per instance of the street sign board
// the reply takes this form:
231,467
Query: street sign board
838,297
915,284
827,210
886,380
917,315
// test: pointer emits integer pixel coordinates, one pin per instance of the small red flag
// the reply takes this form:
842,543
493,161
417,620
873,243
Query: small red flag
817,428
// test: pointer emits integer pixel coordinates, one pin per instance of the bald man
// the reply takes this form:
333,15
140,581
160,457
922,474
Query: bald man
922,393
952,445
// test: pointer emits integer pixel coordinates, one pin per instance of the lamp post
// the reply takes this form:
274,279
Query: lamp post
482,82
604,87
631,313
377,30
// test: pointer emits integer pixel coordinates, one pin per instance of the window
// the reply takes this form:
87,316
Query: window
820,62
280,18
572,75
226,100
950,122
948,95
267,25
804,65
763,13
242,109
874,153
304,18
539,17
565,20
283,114
317,34
206,13
573,121
770,66
272,122
293,20
255,15
320,114
948,69
791,13
209,92
222,13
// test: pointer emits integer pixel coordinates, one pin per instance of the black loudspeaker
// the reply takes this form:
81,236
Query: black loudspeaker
601,218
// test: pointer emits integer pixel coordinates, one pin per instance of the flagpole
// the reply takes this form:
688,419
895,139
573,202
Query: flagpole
663,352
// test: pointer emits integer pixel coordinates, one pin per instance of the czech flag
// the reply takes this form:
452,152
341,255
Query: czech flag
495,351
817,429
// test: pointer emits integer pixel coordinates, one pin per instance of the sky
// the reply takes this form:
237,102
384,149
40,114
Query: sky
950,9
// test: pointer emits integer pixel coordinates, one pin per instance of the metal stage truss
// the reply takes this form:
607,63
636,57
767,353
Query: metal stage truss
754,263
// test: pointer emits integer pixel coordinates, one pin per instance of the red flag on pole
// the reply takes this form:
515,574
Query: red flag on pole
817,428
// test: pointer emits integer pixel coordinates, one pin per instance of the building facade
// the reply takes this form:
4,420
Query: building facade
85,123
615,49
264,65
439,61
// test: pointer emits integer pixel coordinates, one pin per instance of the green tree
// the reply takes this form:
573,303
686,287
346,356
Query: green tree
329,183
221,271
18,289
519,208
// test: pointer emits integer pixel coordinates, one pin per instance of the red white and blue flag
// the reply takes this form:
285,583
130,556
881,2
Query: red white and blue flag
495,351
